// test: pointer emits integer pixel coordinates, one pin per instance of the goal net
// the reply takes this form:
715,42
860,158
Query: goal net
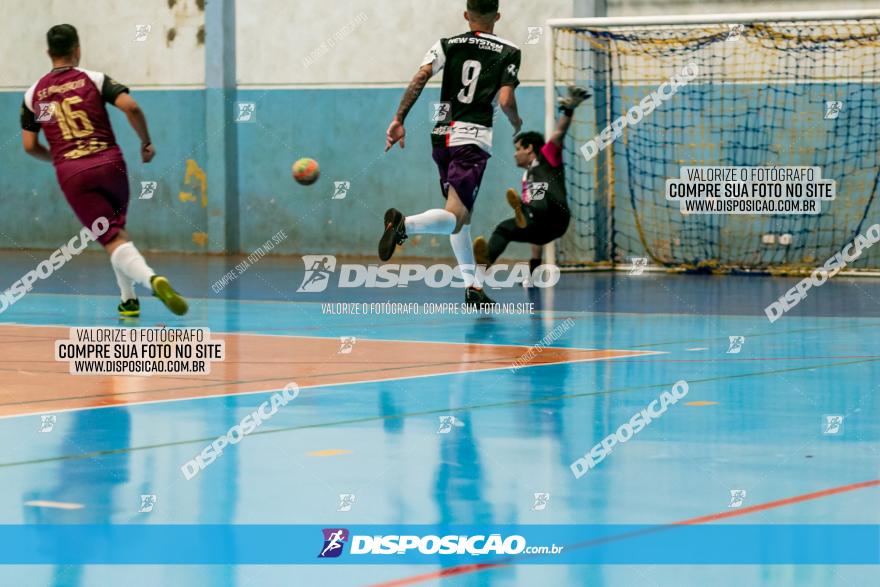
796,90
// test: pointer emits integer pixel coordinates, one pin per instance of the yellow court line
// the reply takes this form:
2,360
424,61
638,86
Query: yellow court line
330,452
55,504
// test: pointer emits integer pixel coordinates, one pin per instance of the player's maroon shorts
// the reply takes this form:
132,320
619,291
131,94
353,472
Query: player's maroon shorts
462,168
99,191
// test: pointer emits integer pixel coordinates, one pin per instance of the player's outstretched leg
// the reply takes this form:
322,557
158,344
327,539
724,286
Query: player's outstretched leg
535,261
515,203
504,233
398,227
481,251
130,268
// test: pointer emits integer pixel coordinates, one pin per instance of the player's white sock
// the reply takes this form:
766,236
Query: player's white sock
126,285
127,260
464,254
434,221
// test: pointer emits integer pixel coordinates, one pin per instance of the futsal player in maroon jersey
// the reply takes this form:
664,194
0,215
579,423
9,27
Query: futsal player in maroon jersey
69,105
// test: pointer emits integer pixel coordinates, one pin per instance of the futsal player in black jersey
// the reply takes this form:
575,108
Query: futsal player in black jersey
479,69
541,213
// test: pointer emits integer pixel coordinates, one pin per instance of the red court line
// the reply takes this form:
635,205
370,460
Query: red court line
747,359
464,569
779,503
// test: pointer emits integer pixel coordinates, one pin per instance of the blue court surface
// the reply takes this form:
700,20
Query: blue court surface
779,427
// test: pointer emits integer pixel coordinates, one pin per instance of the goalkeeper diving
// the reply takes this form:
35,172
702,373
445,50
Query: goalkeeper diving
541,213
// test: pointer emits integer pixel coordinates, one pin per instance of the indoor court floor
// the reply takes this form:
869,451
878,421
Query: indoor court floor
370,422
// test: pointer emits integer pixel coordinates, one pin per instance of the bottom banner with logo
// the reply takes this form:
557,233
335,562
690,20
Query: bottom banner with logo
443,545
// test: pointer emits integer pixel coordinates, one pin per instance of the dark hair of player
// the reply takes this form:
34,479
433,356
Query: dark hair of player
62,40
486,9
530,138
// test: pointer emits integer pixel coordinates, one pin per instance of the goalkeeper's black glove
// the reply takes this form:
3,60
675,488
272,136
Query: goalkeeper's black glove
576,95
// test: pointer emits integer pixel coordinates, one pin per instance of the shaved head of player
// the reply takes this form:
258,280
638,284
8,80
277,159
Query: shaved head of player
63,44
483,14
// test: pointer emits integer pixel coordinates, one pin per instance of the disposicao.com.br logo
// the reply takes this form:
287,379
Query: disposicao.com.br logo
320,269
334,540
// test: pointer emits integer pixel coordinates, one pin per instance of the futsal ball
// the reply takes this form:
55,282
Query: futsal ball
306,171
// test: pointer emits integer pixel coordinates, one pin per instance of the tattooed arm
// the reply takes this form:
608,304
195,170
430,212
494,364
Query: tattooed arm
396,132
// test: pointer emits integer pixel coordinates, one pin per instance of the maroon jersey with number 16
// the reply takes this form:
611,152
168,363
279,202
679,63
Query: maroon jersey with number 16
68,104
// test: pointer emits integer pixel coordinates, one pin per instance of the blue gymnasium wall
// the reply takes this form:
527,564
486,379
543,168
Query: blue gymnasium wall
326,80
34,213
343,129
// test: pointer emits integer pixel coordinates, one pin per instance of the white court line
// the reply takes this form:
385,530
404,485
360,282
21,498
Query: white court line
538,313
335,338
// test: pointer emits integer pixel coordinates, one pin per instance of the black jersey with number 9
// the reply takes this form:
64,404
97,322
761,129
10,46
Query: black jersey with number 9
475,66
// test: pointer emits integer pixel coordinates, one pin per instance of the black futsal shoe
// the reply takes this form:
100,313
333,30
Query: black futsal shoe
395,233
129,309
477,298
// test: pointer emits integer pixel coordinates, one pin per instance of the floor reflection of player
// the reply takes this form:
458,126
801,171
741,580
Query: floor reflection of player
90,482
391,412
544,418
459,489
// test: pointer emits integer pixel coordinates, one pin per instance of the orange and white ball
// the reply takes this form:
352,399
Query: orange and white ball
306,171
